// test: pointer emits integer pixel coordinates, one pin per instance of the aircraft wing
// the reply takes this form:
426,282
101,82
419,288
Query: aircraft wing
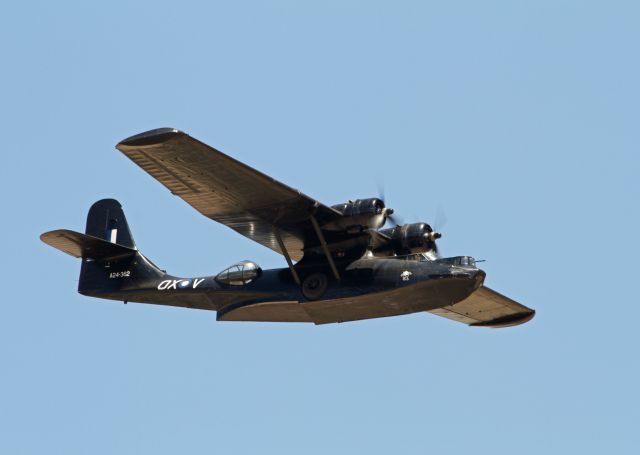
487,308
228,191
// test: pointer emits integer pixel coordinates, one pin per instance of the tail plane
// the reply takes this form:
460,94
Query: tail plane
106,237
107,250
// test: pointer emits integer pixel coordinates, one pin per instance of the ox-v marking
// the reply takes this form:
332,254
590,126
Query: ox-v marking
181,284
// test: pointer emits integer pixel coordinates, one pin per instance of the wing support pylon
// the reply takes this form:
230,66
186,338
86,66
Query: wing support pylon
325,248
283,248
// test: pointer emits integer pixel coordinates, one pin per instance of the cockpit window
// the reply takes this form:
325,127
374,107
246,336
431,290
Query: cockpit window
239,274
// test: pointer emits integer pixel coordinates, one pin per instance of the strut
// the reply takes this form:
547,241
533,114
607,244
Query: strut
323,242
276,231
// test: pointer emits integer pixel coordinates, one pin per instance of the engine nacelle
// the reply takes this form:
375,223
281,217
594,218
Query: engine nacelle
360,214
409,239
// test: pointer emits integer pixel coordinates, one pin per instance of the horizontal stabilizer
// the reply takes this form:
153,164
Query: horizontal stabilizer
85,246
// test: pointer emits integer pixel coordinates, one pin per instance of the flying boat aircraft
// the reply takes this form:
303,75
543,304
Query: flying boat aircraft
342,264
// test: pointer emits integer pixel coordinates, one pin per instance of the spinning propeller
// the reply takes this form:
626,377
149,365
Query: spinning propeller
389,215
429,236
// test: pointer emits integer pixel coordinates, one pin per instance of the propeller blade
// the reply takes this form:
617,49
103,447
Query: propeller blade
395,219
440,220
432,237
380,185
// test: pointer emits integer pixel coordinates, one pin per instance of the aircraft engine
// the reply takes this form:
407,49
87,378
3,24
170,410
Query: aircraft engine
360,214
410,239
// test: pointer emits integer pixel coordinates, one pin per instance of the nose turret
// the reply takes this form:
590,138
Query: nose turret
464,267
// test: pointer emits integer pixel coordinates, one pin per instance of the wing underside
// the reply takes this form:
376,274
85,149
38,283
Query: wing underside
228,191
487,308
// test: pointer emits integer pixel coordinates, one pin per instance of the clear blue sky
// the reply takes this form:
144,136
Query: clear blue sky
521,119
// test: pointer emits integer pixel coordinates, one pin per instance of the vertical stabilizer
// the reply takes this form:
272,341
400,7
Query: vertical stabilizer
106,221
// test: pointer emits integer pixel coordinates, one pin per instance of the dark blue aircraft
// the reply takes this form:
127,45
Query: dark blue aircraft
342,266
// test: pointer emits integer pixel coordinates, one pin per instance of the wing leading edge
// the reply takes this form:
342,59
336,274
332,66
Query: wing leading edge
228,191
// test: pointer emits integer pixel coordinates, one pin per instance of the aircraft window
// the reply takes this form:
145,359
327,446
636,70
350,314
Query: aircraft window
249,272
239,274
466,261
235,275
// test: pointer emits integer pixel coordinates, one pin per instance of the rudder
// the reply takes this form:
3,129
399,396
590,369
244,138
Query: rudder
106,221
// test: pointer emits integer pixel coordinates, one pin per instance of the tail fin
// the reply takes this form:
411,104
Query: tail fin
106,221
111,263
